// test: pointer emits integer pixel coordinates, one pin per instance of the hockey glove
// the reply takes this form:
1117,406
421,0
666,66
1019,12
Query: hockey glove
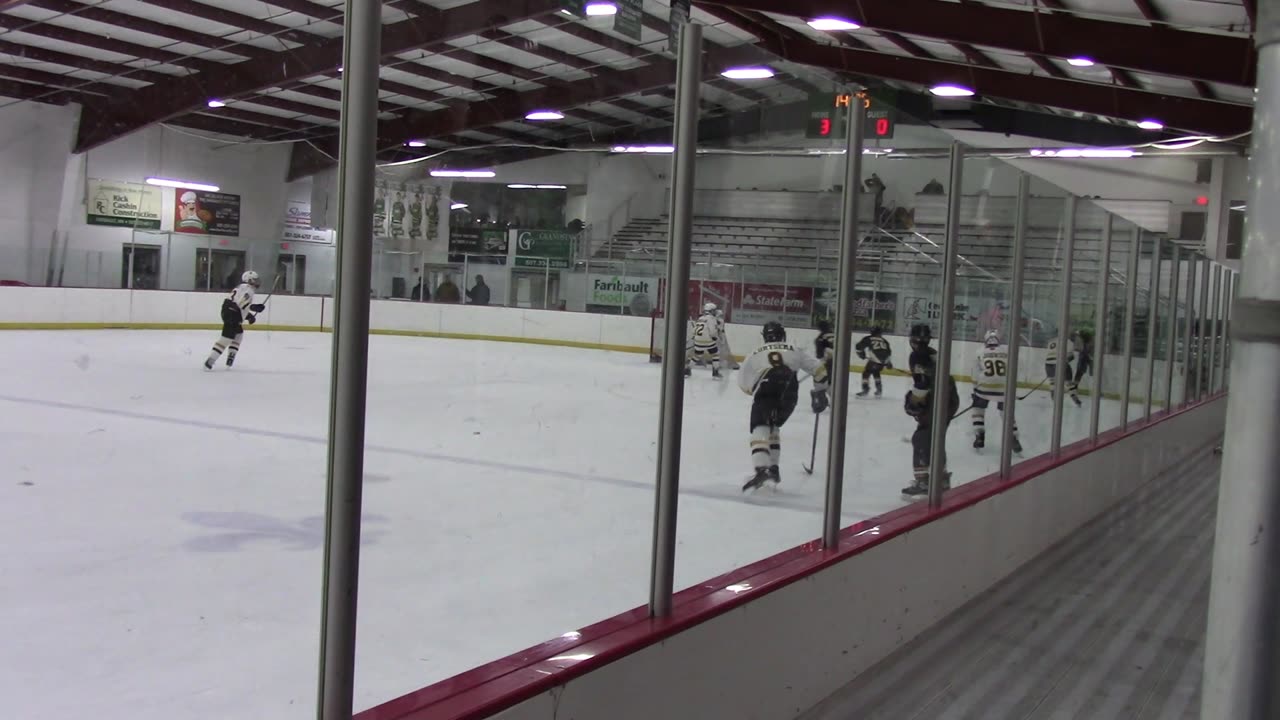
818,399
258,307
252,319
862,355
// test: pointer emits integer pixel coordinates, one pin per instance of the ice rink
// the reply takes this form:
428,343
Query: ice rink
161,526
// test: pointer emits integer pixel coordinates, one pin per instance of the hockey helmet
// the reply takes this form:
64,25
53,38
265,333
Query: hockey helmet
250,278
920,335
824,326
992,339
876,331
709,308
774,332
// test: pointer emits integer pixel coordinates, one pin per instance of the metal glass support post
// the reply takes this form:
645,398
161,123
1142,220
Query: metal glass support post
1130,319
844,326
1202,337
1232,287
1188,393
1015,323
671,406
1213,328
1242,655
1099,329
1171,345
349,375
1064,322
1153,321
941,410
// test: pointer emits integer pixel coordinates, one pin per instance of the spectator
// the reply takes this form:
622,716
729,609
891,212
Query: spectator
933,187
417,292
479,295
447,292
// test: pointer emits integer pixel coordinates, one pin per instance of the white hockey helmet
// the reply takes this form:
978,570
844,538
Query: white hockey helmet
992,339
709,307
250,278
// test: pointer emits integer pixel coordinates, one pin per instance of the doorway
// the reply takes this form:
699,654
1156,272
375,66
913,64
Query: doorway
140,267
291,274
218,269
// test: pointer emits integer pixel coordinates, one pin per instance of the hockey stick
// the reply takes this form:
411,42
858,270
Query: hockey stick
953,417
1037,387
813,451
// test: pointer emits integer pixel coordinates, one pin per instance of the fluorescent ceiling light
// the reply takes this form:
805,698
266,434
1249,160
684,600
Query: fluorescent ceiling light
748,73
526,186
1080,62
416,143
1241,207
457,206
951,91
661,149
184,184
544,115
463,173
1151,125
1085,152
215,103
601,8
833,23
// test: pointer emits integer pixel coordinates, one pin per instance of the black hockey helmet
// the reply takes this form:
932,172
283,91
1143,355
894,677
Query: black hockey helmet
876,331
824,326
774,332
920,335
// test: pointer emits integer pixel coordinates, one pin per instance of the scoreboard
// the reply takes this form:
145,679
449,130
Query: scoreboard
829,117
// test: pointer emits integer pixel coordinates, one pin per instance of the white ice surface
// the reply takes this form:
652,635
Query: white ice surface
161,526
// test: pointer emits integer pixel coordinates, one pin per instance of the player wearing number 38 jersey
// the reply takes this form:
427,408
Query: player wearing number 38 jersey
990,377
770,377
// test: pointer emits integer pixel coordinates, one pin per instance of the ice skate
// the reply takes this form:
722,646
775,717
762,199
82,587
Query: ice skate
715,373
762,475
979,440
864,391
688,371
208,364
231,360
1076,399
879,390
1016,445
775,474
917,490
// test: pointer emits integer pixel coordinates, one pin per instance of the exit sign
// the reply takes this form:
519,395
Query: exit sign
829,117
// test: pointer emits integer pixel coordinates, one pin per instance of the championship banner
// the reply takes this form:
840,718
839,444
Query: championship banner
380,208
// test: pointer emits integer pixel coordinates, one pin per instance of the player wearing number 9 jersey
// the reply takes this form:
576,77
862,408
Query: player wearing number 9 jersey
769,376
990,377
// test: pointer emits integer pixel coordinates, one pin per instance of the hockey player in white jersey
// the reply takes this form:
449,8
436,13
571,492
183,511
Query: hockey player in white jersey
707,332
236,310
769,376
1051,367
990,378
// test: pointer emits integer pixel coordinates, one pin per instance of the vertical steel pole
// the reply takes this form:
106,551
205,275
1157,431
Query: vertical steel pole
1064,324
941,411
844,326
1130,319
1188,393
1242,651
1213,328
1015,323
1202,337
349,374
1099,329
1171,345
1226,332
1153,320
671,406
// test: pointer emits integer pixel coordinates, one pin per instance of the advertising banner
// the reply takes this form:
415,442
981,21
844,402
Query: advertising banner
206,213
620,294
758,304
486,246
297,225
544,248
916,309
870,309
701,292
123,204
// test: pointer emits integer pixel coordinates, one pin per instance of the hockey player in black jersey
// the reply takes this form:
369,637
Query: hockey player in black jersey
876,363
236,310
825,346
919,405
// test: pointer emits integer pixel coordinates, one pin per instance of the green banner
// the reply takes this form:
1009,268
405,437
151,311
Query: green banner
544,248
629,18
122,204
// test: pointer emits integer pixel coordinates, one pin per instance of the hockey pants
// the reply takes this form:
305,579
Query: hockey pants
232,334
980,405
922,449
768,415
871,370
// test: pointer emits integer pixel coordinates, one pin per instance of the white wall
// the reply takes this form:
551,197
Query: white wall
35,145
